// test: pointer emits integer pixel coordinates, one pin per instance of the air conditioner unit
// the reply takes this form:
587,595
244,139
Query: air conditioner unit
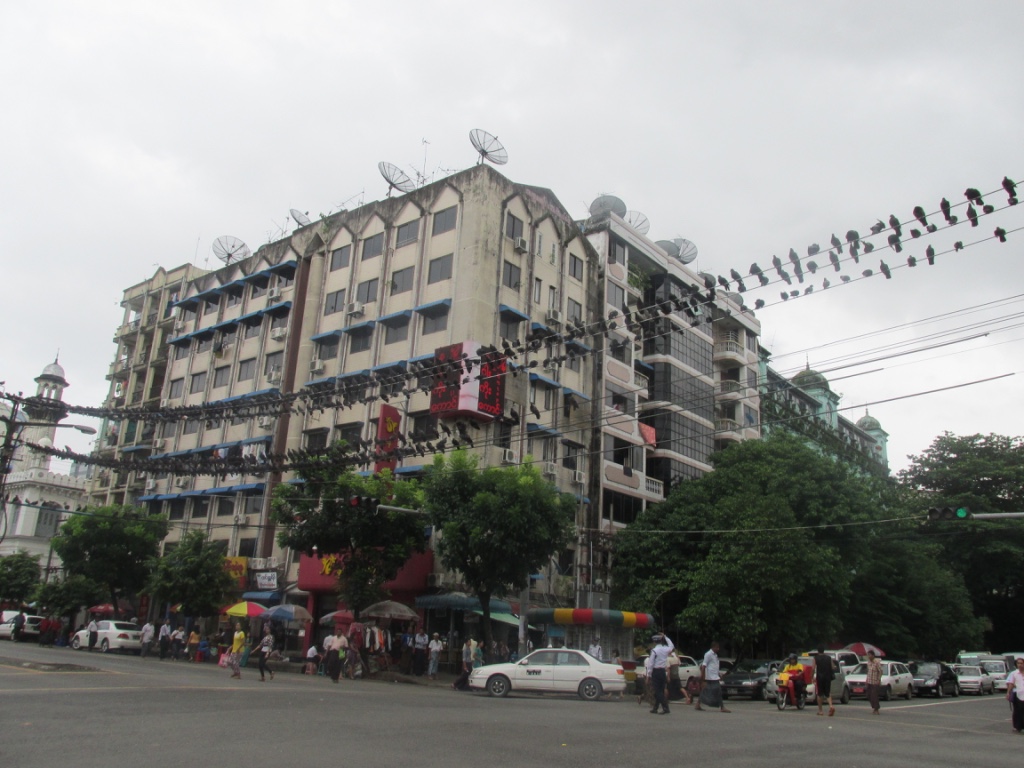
554,316
241,518
355,308
437,579
509,456
179,326
274,375
265,422
278,334
181,482
151,485
550,468
165,402
579,477
316,365
274,295
272,562
521,244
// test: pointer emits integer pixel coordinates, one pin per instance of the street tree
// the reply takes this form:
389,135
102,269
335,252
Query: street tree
114,546
323,515
192,574
19,575
986,474
496,525
65,597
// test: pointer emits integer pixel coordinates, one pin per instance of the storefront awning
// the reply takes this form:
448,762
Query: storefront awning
460,601
590,616
505,618
267,598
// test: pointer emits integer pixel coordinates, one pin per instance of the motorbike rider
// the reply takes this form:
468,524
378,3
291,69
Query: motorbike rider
795,670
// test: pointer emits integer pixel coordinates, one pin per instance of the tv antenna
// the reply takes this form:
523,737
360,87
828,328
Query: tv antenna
230,249
488,147
395,177
638,221
299,217
687,250
608,203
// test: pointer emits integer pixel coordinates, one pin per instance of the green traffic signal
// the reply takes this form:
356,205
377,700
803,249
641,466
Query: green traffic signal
936,514
963,513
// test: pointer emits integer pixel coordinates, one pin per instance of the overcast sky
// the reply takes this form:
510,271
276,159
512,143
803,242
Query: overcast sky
136,133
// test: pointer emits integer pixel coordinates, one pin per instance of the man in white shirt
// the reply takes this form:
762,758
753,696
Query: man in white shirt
148,630
595,649
658,676
419,651
434,649
711,680
1015,693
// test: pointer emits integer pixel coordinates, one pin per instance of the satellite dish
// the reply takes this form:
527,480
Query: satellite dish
638,221
669,247
395,177
687,250
488,147
300,218
606,203
230,249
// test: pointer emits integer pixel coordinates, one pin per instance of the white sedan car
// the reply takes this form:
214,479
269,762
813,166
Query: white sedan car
551,670
112,636
973,679
897,680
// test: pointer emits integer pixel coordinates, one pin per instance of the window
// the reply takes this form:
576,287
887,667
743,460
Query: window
251,330
552,297
618,254
435,323
210,306
198,383
407,233
273,362
513,226
335,302
510,326
225,506
573,363
186,314
574,310
424,424
575,267
366,292
221,376
401,281
200,507
573,458
397,331
439,269
247,369
340,257
538,290
181,350
285,279
360,342
616,295
257,290
328,348
191,427
373,246
619,349
204,344
351,433
510,275
316,439
232,299
279,320
177,388
444,221
227,338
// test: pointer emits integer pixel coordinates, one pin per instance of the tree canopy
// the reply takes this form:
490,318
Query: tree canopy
316,517
114,546
64,597
194,575
19,575
497,525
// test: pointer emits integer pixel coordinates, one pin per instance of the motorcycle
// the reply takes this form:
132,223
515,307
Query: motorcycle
792,689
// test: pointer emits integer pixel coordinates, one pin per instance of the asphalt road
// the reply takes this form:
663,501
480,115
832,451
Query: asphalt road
64,707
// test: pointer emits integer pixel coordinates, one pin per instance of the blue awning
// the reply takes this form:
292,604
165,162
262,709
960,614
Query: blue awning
224,324
262,597
544,380
540,327
385,366
180,339
353,374
185,302
532,428
326,335
574,393
421,358
505,309
285,266
295,481
433,307
318,382
460,602
410,470
200,449
247,319
642,364
279,308
190,493
132,448
165,496
256,276
248,487
257,393
405,314
236,286
151,497
224,490
359,327
364,473
208,292
260,439
578,344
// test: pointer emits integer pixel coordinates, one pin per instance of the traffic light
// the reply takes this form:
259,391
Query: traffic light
366,503
936,514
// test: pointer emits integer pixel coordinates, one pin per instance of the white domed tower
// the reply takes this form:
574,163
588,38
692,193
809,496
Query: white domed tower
870,424
47,406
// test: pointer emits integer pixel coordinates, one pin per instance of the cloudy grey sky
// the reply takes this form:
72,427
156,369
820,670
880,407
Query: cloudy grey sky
136,133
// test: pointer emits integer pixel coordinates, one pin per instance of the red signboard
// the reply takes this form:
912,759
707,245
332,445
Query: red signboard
461,390
388,423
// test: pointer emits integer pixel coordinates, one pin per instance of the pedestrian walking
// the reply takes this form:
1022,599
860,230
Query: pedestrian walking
1015,693
873,680
419,652
824,674
177,643
94,632
164,639
266,646
19,626
146,638
711,680
658,672
434,649
237,649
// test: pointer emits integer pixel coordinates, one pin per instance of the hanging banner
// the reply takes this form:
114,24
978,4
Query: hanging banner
388,423
266,581
476,389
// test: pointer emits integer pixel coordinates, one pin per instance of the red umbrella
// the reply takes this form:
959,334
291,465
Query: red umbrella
861,649
106,609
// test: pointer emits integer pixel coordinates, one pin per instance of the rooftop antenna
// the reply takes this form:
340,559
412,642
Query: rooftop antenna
300,218
687,250
395,177
638,221
488,147
230,249
606,204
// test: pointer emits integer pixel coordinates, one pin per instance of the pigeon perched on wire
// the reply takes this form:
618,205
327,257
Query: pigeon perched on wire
929,254
834,258
1011,189
920,215
1000,233
797,269
877,227
884,268
813,249
911,261
759,304
945,206
894,242
972,215
895,224
738,278
836,243
973,196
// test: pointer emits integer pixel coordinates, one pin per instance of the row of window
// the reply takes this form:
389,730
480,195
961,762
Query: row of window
395,330
512,274
401,282
373,246
246,371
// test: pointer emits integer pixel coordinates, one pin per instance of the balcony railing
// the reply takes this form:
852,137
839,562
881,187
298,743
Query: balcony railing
728,386
654,487
640,381
729,348
727,425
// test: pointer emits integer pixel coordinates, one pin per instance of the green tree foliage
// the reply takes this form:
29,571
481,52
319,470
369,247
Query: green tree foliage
114,546
19,575
739,554
316,517
65,597
194,575
986,474
497,525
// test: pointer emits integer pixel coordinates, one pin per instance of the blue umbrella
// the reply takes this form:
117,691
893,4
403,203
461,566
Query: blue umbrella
286,612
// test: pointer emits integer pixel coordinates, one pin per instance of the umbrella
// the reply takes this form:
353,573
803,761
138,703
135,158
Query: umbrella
286,612
861,649
244,608
389,609
335,617
106,609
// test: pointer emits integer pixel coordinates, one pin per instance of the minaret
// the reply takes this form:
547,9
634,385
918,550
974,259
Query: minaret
50,385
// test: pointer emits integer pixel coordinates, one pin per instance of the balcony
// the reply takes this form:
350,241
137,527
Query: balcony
640,381
730,390
730,350
654,487
727,429
120,369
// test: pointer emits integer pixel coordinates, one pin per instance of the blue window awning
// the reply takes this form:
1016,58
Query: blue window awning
395,317
263,597
354,374
209,292
642,364
252,318
257,393
151,497
223,490
410,470
248,487
319,382
386,366
364,327
434,307
574,393
183,494
279,308
505,309
191,300
183,339
223,325
544,380
285,266
165,496
260,439
133,448
540,327
421,358
534,429
578,344
336,334
256,277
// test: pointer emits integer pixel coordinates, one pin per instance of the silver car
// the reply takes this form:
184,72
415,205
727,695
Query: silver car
974,679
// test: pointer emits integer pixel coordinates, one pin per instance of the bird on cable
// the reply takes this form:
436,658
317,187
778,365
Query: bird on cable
958,245
777,263
1000,233
797,268
755,270
785,276
834,258
884,268
836,243
723,282
867,273
812,267
784,295
911,261
739,280
972,215
920,215
808,289
1011,189
973,196
794,294
929,254
895,224
825,284
813,249
945,206
535,411
915,233
759,304
877,227
845,278
853,238
988,208
894,242
868,246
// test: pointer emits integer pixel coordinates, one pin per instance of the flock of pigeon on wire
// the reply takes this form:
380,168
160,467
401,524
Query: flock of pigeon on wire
424,376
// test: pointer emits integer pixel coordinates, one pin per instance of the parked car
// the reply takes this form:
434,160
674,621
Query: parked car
998,670
934,678
840,688
30,631
973,679
846,659
897,680
551,670
112,636
749,678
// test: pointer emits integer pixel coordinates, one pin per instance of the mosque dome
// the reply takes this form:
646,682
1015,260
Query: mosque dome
808,379
867,422
54,370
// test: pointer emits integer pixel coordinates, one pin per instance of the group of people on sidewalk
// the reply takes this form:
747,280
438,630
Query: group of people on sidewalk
657,666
